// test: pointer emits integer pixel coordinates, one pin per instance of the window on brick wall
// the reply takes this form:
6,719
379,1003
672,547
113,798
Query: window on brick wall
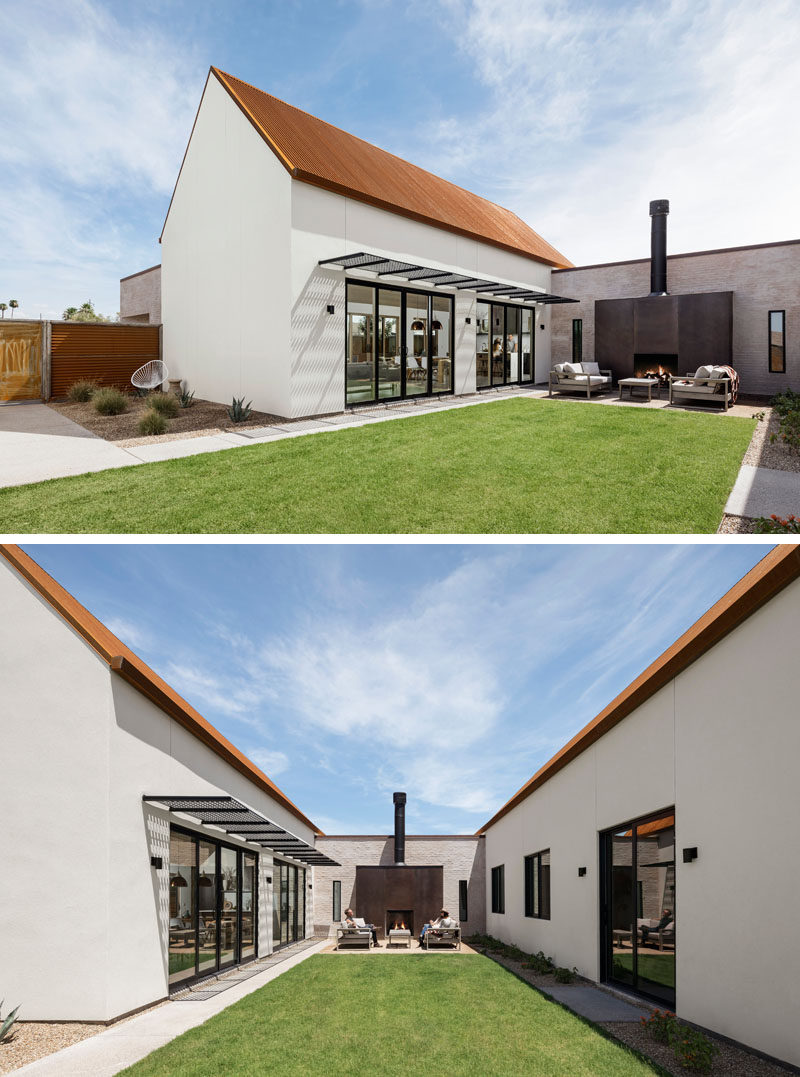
463,912
777,342
537,885
499,889
577,339
337,899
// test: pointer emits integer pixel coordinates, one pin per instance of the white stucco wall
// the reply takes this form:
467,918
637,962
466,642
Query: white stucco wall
325,225
85,915
721,742
226,296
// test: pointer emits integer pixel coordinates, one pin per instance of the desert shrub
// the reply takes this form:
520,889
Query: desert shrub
152,423
186,399
787,406
80,392
565,976
540,964
165,404
109,401
239,411
6,1024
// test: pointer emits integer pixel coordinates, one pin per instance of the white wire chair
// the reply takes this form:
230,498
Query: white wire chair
151,375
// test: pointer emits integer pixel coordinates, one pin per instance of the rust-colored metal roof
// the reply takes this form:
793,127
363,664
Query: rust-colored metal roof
777,570
121,660
321,154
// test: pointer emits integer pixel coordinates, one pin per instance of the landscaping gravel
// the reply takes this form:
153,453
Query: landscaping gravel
32,1040
762,453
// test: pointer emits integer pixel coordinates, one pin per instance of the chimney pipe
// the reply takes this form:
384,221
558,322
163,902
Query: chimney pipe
658,247
399,829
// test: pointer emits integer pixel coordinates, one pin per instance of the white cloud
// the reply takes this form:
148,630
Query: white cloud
223,694
271,762
131,634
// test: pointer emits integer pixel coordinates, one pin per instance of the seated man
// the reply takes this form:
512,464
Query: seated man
666,918
427,927
349,919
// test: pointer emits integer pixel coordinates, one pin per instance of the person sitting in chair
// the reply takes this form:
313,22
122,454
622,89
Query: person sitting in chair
427,927
349,919
666,918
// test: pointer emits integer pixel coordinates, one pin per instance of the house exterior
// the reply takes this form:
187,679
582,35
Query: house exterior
140,297
307,270
118,887
675,800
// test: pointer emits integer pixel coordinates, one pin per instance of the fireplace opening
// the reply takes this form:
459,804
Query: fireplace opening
399,918
655,365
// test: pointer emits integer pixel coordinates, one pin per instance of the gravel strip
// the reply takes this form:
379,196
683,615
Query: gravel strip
730,1062
761,453
737,525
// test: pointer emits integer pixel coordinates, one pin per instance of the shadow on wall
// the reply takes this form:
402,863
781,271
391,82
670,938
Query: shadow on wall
317,346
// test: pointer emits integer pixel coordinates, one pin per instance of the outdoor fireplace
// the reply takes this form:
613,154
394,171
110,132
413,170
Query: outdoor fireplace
399,918
655,365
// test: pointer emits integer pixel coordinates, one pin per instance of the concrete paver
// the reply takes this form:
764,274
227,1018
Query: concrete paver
121,1045
760,491
596,1004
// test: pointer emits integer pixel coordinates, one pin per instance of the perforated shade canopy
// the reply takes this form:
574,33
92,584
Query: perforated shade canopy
383,266
236,818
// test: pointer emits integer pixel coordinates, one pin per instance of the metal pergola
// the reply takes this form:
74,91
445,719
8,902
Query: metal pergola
236,818
382,266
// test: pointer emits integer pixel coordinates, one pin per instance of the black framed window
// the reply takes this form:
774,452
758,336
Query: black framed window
399,342
463,910
537,885
337,899
499,889
777,342
577,339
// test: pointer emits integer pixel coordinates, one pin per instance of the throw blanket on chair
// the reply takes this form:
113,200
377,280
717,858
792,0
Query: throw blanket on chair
734,382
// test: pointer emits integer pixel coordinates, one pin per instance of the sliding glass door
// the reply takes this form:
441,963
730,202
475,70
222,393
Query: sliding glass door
399,344
289,907
504,345
182,908
638,905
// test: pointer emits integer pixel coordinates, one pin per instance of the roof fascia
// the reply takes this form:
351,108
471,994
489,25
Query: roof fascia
772,574
122,661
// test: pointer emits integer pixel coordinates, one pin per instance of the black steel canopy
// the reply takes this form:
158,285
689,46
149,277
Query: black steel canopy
383,266
236,818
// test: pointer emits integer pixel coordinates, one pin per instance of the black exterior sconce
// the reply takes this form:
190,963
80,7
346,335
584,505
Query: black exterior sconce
330,308
269,878
157,862
468,321
541,326
690,854
581,872
310,886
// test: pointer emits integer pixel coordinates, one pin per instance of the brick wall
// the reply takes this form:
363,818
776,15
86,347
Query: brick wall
462,857
140,297
762,279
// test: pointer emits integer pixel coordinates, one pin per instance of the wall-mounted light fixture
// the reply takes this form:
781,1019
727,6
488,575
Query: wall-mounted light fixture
157,862
468,321
541,326
269,878
690,854
310,886
581,872
330,308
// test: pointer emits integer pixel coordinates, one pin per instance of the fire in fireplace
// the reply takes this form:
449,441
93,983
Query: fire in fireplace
655,365
399,918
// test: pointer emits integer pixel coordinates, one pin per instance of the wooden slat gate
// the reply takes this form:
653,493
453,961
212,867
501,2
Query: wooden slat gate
106,353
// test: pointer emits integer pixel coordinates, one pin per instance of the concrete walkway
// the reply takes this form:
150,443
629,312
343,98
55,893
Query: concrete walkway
596,1004
761,491
127,1042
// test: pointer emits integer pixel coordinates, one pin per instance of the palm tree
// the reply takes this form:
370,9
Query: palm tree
3,309
13,304
69,313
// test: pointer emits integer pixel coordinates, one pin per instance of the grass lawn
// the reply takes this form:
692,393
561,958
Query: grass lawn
658,968
509,467
416,1015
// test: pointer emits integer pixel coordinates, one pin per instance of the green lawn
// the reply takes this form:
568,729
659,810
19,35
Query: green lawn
511,467
380,1015
658,968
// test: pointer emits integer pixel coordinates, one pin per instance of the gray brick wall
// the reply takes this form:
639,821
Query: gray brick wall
140,297
463,857
761,278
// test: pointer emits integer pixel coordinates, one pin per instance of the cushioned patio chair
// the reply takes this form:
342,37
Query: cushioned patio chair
583,378
443,936
707,383
353,936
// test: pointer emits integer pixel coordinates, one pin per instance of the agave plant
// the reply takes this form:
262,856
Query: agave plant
5,1026
239,411
185,398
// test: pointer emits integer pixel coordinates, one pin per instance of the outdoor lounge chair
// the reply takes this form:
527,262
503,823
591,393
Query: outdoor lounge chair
353,936
584,378
666,936
707,383
443,936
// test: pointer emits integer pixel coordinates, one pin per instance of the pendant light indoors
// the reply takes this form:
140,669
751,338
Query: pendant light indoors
436,324
204,880
178,880
417,326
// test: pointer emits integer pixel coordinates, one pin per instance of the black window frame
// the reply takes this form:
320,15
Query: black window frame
537,897
336,900
577,340
379,286
494,383
499,889
463,900
770,345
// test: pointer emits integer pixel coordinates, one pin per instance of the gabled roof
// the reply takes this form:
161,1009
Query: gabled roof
319,153
777,570
121,660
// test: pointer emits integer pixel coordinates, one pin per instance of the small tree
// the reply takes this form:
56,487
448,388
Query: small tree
3,309
13,304
69,314
84,313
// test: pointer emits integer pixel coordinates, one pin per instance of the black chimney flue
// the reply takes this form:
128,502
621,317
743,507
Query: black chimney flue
399,828
658,246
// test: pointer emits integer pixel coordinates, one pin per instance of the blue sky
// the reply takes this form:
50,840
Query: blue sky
573,114
347,672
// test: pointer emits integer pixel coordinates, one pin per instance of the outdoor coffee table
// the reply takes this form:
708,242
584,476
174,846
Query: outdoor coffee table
398,935
636,383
